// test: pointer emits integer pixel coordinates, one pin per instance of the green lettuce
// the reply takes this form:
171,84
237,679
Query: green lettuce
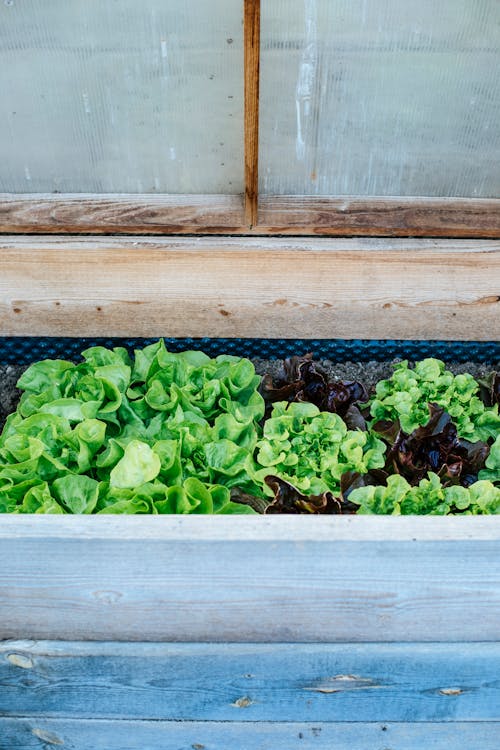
407,393
154,433
138,465
492,470
311,449
429,497
162,433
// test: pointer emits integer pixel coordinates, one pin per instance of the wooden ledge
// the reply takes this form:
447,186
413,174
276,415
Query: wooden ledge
394,217
72,213
250,579
120,213
250,287
328,529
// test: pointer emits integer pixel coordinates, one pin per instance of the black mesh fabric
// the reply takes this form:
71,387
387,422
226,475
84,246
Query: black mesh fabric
24,350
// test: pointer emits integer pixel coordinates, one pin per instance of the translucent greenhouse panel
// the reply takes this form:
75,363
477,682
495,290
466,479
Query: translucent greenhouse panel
107,96
380,97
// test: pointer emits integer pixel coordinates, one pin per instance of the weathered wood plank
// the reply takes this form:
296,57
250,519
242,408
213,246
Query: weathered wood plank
400,217
224,214
253,589
279,682
251,528
306,288
251,65
113,213
87,734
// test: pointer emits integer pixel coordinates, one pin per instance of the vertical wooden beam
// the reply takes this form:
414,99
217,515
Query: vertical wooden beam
252,62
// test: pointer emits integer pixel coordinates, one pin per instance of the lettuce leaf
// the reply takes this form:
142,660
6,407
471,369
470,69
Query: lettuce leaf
311,449
429,497
406,395
432,447
490,389
76,493
159,432
492,464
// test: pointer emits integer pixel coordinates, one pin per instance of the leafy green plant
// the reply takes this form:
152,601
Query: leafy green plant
311,449
406,394
492,464
183,433
164,433
429,497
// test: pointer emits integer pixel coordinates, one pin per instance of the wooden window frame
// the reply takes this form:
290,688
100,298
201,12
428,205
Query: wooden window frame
434,276
249,213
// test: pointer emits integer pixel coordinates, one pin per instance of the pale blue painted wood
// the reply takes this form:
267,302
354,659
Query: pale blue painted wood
250,590
45,734
232,682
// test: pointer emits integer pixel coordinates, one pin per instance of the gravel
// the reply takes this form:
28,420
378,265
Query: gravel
369,373
9,395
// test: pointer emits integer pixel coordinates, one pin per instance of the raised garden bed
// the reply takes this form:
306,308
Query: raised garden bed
260,632
340,581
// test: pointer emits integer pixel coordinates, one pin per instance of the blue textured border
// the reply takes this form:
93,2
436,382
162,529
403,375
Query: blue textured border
26,349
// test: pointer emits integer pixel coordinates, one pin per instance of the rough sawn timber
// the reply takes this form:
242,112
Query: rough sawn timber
251,67
115,213
89,734
76,213
250,287
282,579
395,217
251,682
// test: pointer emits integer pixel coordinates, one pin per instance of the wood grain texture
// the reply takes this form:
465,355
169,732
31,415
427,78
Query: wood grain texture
255,287
194,528
225,214
278,682
248,589
403,217
252,59
114,213
88,734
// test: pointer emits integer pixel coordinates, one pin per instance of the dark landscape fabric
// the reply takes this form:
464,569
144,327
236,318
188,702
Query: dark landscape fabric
24,350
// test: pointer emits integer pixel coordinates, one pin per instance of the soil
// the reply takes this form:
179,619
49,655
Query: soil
367,373
9,395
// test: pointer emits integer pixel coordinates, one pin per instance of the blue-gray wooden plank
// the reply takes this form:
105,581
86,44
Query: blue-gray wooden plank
86,734
259,682
303,582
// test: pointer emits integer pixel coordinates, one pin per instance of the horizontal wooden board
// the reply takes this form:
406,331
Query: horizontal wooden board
177,528
399,217
277,587
228,287
90,213
75,213
231,682
86,734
